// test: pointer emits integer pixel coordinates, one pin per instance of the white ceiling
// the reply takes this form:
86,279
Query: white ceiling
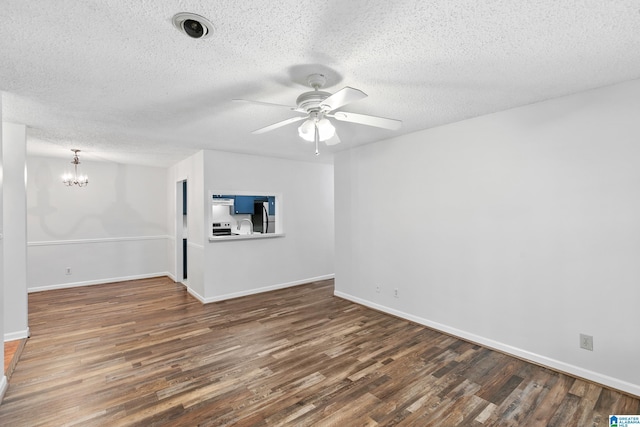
117,80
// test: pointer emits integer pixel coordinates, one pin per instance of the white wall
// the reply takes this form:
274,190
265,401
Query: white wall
3,378
113,229
306,252
222,270
191,170
15,235
518,230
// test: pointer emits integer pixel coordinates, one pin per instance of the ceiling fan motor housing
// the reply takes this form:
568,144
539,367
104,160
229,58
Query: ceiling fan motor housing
310,101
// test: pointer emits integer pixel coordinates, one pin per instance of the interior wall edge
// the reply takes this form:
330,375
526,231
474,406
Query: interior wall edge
195,294
556,365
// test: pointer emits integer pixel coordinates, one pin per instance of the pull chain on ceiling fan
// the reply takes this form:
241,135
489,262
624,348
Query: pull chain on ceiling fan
318,106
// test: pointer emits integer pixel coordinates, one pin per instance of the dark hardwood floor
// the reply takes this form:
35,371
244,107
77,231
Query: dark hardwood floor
146,353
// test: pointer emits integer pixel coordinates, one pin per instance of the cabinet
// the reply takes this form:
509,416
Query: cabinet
243,204
272,205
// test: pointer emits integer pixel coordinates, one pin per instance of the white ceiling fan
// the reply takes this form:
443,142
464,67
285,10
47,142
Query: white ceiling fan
318,106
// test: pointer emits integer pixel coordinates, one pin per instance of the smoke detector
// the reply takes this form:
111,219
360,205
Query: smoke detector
195,26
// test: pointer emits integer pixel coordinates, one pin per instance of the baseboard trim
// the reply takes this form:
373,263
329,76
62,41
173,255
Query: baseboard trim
3,387
96,282
195,294
575,371
12,336
255,291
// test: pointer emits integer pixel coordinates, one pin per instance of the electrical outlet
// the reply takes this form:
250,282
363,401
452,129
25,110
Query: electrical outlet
395,292
378,289
67,271
586,342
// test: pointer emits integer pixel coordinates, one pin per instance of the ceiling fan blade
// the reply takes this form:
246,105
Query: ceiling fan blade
333,140
364,119
268,104
342,97
279,124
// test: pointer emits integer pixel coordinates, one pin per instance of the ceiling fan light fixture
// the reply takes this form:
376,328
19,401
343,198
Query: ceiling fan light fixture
306,130
318,105
326,130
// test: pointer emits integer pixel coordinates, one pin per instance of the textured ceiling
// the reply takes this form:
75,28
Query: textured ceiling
117,80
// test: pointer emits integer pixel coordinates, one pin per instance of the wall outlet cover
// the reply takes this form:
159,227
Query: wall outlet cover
586,342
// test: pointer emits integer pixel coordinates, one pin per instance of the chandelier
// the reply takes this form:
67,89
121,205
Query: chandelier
74,179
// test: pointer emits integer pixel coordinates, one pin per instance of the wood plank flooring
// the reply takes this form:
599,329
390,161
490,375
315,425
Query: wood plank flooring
145,353
12,351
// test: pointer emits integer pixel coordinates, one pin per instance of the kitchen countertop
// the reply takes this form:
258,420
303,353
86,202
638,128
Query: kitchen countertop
244,237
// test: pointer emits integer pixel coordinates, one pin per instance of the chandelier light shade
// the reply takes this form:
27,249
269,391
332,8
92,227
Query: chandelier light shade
70,179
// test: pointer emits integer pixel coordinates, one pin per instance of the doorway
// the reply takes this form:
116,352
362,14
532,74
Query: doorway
181,231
